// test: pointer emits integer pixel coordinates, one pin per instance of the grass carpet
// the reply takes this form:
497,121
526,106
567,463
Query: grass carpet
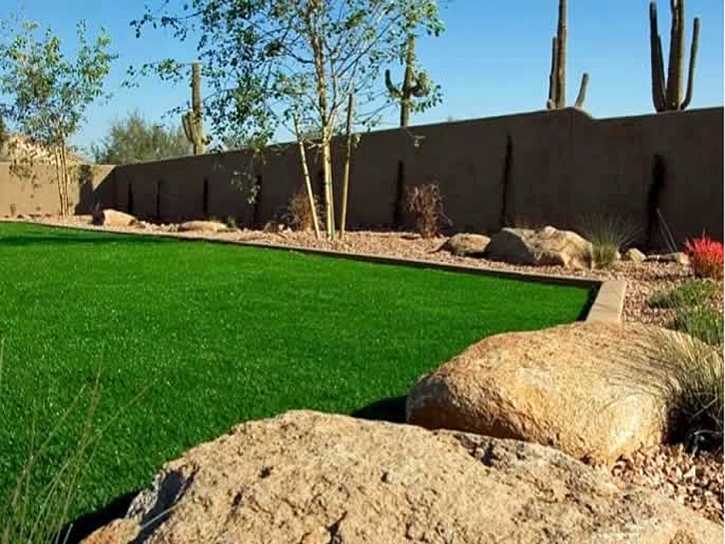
215,335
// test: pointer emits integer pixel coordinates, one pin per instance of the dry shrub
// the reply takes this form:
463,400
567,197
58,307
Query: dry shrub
426,205
298,214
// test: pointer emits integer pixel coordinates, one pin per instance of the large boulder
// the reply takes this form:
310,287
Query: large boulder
312,478
466,245
203,226
113,218
544,247
569,387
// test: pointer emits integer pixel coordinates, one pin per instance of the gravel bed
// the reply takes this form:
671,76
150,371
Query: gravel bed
694,480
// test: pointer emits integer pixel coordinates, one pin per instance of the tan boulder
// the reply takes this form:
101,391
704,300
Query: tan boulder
466,245
568,387
113,218
120,531
202,226
542,247
312,478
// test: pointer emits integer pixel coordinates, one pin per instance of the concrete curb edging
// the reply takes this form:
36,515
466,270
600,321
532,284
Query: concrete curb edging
607,306
609,302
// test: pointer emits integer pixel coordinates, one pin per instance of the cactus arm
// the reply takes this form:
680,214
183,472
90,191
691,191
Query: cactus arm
657,61
561,56
392,89
677,56
187,124
693,57
551,102
582,91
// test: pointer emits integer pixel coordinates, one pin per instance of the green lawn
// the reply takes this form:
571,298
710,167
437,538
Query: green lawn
221,334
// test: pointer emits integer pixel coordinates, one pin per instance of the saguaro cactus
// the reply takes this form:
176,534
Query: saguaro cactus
557,76
667,94
414,85
192,119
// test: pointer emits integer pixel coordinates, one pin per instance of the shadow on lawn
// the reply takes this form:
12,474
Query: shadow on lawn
392,410
64,239
78,529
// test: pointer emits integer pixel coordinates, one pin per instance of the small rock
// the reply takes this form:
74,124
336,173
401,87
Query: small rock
679,257
466,245
634,255
202,226
690,474
273,227
113,218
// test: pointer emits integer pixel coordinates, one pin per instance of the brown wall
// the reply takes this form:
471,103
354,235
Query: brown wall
560,166
36,192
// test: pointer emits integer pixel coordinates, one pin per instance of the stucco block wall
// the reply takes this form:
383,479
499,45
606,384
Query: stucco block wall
37,192
555,167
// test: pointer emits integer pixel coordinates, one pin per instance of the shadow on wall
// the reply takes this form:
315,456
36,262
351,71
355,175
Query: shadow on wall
547,166
103,193
86,198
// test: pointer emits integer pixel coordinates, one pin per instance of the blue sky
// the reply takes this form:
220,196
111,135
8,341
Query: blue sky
493,59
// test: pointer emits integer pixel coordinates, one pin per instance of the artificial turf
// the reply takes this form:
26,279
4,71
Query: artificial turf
215,335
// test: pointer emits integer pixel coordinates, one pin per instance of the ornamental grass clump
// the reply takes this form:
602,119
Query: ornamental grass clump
686,376
37,514
706,257
608,234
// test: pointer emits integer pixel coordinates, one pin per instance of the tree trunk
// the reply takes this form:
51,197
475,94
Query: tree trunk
306,174
348,154
327,180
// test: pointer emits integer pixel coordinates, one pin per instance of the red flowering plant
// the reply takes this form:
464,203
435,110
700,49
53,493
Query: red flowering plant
706,257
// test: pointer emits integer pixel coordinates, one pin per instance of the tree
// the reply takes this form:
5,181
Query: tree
289,63
50,93
135,139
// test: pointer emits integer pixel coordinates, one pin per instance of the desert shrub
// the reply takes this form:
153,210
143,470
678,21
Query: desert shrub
609,234
298,213
700,321
690,293
706,257
686,376
425,203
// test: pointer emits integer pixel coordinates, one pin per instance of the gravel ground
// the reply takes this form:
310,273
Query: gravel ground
694,480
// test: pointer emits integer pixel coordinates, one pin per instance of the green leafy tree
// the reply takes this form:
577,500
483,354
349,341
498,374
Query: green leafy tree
135,139
295,64
49,93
